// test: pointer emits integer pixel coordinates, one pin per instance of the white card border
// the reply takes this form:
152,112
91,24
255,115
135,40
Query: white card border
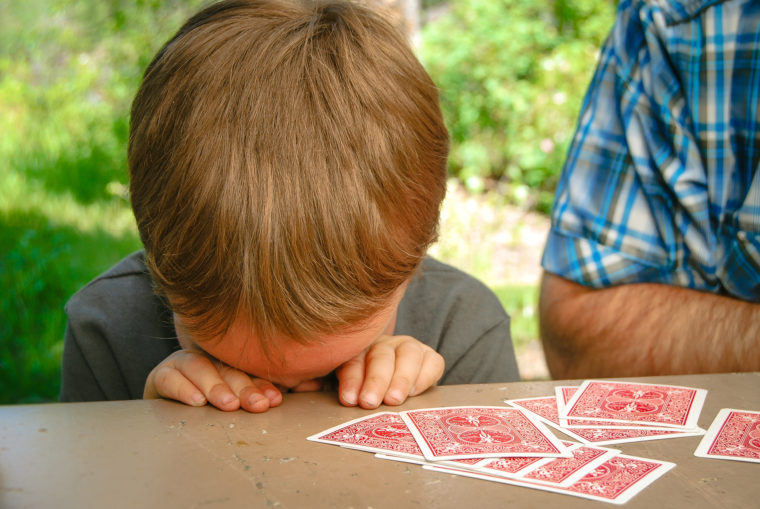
422,461
675,433
578,474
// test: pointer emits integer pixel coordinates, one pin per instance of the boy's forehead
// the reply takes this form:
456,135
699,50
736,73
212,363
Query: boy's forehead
288,362
243,337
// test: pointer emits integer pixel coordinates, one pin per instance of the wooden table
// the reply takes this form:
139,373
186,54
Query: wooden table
164,454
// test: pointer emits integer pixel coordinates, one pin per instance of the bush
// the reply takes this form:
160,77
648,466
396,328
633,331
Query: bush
512,75
68,72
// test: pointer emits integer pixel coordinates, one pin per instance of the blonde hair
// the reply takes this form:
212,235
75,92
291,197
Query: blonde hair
287,163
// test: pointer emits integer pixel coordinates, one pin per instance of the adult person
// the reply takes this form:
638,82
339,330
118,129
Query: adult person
652,264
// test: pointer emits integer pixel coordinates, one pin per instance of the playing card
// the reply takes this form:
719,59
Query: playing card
380,432
543,408
629,402
511,467
565,471
460,463
470,432
564,393
547,406
607,436
616,481
733,435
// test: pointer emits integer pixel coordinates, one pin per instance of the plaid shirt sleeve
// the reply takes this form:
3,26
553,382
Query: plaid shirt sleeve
661,182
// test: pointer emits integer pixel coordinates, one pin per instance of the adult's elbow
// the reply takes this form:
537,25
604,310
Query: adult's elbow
558,323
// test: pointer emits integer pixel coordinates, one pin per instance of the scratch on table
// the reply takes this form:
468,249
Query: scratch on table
242,461
287,460
704,488
214,501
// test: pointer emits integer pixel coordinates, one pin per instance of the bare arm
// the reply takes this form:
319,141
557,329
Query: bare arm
644,329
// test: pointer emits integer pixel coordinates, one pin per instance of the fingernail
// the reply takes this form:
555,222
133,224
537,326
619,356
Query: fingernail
413,391
370,400
198,398
228,398
349,397
271,393
254,398
396,395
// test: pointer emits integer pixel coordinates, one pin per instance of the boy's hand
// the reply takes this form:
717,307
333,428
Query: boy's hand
390,370
193,378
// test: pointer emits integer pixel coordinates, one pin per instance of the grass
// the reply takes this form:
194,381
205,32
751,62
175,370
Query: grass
54,244
63,220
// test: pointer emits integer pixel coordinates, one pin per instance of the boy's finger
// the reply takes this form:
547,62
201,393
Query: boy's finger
260,395
269,390
249,394
350,376
432,369
204,374
171,384
312,385
409,359
380,363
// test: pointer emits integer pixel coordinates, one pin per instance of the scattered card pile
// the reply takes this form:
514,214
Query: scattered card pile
603,412
511,444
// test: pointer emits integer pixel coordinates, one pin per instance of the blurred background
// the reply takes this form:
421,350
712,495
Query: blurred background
512,75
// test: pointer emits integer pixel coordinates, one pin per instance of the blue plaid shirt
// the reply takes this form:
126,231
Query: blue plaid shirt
661,182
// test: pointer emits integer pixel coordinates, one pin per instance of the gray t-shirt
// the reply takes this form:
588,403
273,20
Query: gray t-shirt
119,330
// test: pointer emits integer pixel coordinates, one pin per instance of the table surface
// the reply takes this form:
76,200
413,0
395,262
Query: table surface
164,454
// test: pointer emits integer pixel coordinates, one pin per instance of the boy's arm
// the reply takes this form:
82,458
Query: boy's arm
644,329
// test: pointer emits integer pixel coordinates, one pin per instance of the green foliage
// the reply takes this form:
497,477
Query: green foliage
512,75
521,304
68,72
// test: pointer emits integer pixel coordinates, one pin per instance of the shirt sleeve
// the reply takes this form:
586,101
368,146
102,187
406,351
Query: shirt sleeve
89,370
118,330
632,193
78,382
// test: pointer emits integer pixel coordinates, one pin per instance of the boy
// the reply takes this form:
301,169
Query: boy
287,166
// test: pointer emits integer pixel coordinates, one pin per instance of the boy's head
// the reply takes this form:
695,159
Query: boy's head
287,165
